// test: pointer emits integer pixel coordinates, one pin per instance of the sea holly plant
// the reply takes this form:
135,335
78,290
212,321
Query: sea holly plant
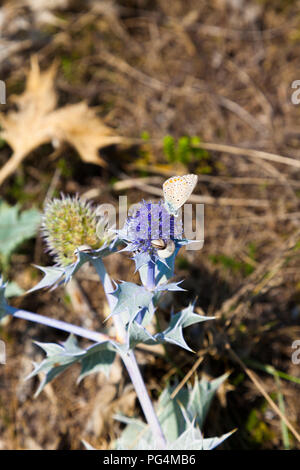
76,234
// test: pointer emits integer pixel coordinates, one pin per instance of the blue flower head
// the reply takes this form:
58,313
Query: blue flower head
150,229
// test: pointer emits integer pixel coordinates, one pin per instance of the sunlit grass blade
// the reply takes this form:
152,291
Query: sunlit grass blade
272,371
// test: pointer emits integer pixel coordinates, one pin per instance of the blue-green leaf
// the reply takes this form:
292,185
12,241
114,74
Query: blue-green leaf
170,412
174,333
131,300
15,227
200,398
137,332
212,442
98,358
56,275
53,275
59,357
13,290
192,439
171,286
181,432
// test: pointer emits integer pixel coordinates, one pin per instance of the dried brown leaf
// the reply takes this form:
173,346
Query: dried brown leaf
78,125
37,121
27,128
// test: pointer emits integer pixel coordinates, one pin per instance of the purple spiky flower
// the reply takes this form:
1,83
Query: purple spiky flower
150,228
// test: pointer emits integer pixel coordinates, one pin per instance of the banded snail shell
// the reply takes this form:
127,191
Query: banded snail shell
159,244
167,251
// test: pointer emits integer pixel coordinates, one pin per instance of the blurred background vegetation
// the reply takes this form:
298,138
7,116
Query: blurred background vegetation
106,98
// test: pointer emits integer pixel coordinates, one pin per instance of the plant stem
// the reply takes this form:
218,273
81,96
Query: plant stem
131,363
58,324
144,399
151,275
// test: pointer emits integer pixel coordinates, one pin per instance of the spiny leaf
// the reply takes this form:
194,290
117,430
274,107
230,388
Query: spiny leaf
212,442
138,334
170,286
55,275
170,412
192,439
181,433
13,290
98,357
200,398
173,334
52,276
132,299
187,317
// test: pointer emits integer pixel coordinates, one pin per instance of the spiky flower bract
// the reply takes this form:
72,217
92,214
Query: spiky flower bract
69,223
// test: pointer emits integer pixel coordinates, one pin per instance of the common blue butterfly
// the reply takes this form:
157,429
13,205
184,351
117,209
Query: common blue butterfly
177,190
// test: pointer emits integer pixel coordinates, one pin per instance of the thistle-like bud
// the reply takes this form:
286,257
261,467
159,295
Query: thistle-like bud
70,223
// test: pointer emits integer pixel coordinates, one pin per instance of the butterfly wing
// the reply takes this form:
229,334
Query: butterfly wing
177,190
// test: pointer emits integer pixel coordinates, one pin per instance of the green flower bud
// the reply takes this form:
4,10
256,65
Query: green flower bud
69,223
